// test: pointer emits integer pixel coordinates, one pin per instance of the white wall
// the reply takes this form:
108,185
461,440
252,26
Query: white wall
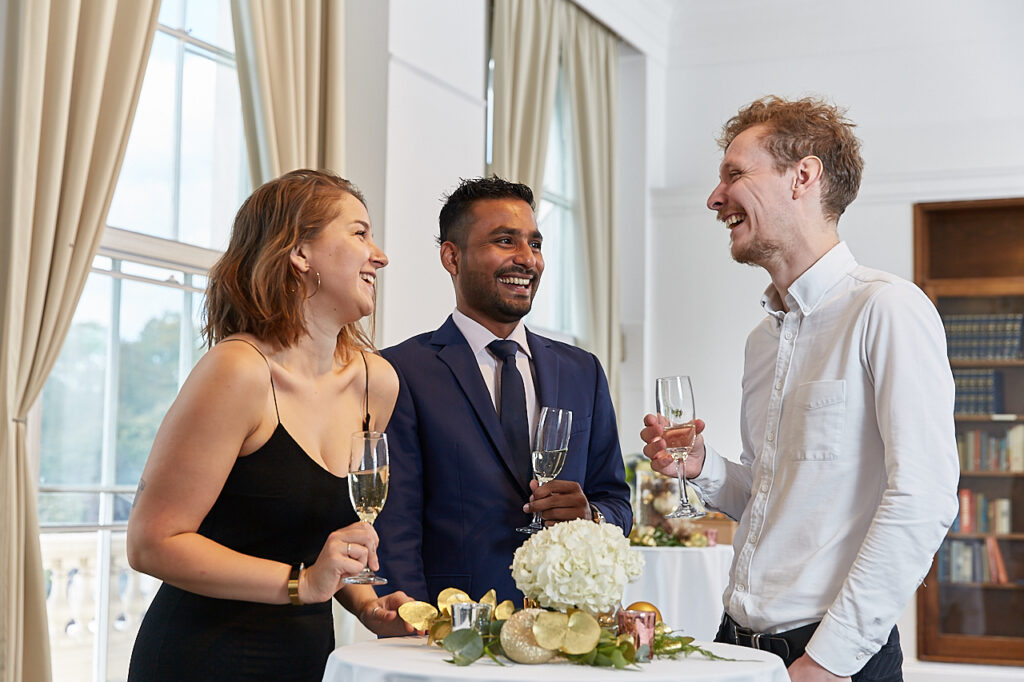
936,89
416,108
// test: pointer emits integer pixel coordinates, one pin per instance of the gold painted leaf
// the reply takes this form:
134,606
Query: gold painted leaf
418,614
449,596
583,635
438,631
549,629
490,598
504,610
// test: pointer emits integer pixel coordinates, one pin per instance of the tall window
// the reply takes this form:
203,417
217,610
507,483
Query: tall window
135,336
558,309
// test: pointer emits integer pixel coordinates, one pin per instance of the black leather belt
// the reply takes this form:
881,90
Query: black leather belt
788,645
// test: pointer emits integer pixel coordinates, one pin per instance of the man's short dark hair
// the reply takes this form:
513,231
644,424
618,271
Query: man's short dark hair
457,205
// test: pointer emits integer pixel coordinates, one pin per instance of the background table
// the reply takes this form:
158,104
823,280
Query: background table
686,584
409,659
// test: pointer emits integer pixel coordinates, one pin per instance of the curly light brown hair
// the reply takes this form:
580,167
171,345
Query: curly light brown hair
795,129
254,288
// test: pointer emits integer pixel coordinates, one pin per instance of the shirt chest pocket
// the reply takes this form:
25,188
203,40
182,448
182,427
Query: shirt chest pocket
819,420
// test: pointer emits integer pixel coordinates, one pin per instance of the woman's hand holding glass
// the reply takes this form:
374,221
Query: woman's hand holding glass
346,553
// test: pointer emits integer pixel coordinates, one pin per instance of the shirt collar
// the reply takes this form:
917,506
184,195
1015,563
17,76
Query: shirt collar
478,336
810,287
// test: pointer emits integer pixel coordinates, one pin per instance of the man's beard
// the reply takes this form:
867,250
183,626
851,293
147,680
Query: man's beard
486,298
757,252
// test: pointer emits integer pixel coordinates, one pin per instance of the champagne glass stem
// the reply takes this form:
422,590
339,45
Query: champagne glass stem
684,491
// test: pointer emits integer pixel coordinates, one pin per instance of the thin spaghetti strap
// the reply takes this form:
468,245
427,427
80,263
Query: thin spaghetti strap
273,391
366,394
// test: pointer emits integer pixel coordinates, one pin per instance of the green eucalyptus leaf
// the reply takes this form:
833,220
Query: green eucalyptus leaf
602,660
465,646
617,659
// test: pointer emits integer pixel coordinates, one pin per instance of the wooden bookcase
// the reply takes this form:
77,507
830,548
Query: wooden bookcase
969,258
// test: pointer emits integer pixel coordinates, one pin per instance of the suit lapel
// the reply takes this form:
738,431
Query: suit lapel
457,355
545,375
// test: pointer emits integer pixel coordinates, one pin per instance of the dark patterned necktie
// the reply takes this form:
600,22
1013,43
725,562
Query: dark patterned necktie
512,405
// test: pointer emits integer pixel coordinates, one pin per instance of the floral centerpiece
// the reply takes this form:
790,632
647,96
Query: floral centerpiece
575,570
576,564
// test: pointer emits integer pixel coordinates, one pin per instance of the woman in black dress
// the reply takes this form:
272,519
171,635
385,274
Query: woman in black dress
243,508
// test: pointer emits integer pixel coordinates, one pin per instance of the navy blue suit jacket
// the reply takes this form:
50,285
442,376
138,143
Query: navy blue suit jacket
456,495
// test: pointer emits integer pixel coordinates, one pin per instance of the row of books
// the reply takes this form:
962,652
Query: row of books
973,561
984,337
983,451
978,391
980,513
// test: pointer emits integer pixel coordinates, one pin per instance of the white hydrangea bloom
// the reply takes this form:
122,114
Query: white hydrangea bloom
577,564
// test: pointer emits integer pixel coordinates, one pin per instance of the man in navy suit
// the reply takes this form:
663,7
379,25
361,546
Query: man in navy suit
461,483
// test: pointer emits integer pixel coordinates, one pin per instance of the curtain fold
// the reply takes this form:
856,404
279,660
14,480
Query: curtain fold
591,59
529,38
291,73
72,74
525,38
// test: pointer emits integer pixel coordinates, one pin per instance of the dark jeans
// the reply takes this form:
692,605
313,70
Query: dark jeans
884,666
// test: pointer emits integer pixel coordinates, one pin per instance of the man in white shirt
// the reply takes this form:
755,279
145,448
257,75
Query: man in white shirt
461,477
847,480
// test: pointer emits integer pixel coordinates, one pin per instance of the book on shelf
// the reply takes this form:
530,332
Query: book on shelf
1002,523
997,336
997,565
966,515
981,450
978,391
1015,448
977,560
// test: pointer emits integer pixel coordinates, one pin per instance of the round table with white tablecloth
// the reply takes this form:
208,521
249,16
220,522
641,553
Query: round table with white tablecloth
686,584
410,659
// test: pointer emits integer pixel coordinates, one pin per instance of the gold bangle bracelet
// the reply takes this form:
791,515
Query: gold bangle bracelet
293,585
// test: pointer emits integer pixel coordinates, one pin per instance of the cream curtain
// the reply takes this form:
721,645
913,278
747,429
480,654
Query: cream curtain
591,57
72,73
525,37
528,39
291,69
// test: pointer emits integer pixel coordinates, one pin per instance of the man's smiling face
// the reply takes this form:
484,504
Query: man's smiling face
497,272
753,200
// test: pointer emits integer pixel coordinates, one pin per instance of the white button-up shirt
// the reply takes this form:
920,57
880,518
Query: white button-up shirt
847,480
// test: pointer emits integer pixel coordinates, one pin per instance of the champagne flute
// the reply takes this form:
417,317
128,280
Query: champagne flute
550,443
368,487
675,407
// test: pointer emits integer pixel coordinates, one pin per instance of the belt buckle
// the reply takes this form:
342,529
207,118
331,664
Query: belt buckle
755,640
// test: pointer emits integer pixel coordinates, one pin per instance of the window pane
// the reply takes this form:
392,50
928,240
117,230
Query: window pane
210,21
214,170
73,397
130,595
547,306
73,582
65,509
144,197
554,163
69,564
172,13
150,331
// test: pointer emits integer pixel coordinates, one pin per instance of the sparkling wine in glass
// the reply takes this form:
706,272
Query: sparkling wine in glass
368,487
675,408
550,443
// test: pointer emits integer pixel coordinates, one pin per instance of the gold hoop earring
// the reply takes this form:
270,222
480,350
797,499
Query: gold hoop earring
317,286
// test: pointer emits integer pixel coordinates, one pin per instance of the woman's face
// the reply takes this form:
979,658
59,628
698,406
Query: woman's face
347,259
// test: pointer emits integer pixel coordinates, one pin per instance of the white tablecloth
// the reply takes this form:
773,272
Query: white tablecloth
409,659
686,584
